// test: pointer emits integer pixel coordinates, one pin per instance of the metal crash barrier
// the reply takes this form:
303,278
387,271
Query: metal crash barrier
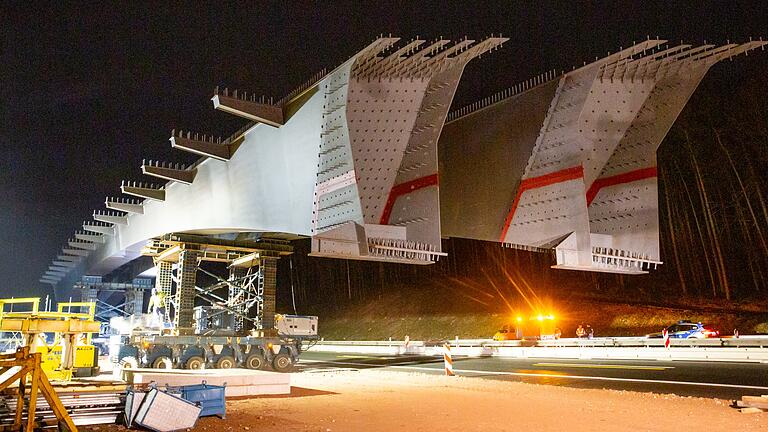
742,349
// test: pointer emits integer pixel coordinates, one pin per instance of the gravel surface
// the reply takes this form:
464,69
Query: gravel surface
377,400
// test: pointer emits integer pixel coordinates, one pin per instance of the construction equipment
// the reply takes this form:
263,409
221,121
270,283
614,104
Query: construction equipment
200,352
538,326
25,409
250,287
236,329
70,351
296,325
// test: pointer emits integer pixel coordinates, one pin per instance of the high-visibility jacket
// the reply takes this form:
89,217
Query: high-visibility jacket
156,300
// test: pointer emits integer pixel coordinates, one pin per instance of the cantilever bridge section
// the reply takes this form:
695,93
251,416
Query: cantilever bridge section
332,161
566,161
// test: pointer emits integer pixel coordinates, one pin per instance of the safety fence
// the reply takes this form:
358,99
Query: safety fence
742,349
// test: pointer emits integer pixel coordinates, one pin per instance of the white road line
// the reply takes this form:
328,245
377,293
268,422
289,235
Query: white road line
535,375
604,366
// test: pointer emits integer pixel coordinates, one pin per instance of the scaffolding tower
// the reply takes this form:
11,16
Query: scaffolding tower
250,285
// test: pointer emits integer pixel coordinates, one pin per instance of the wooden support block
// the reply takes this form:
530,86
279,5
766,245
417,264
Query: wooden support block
750,410
755,402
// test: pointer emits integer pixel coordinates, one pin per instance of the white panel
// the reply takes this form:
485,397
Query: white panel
548,213
165,413
629,213
381,115
420,210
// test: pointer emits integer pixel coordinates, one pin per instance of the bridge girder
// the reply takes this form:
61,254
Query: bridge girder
351,160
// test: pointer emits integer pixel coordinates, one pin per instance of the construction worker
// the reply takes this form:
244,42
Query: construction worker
580,332
157,307
590,331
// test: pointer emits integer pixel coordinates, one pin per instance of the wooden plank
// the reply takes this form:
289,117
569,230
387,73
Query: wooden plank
91,388
33,388
750,410
55,403
755,402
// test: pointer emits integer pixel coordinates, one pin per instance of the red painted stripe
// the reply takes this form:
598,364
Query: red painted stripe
627,177
572,173
404,189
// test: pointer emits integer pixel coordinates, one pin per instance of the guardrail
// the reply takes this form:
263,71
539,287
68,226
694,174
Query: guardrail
750,341
746,341
747,348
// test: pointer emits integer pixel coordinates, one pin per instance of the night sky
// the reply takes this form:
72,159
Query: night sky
89,90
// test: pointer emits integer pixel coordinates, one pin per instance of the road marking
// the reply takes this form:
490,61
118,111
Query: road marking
366,357
536,375
604,366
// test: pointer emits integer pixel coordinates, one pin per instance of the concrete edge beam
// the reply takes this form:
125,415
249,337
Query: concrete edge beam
115,220
94,238
125,207
178,175
142,192
82,245
255,111
72,258
101,229
222,152
75,250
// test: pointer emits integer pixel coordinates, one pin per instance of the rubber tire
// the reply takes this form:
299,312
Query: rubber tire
129,362
162,362
195,363
282,362
255,361
225,362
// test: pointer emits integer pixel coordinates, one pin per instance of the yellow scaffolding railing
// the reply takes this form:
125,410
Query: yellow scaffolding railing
66,326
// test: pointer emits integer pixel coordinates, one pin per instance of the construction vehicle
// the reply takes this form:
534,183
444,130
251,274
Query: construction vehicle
138,344
200,352
538,326
63,339
145,346
231,323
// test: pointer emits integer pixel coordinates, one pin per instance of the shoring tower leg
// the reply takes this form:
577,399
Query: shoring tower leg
235,275
185,292
164,284
268,267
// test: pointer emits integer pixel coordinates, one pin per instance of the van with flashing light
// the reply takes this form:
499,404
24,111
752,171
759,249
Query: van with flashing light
536,327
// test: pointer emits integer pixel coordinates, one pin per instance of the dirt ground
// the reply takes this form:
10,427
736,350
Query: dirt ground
376,400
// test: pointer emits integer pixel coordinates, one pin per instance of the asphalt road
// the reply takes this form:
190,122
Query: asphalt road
722,380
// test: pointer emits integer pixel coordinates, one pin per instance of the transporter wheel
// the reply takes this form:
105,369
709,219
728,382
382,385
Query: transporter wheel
125,363
129,363
225,362
255,361
282,362
195,362
162,362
